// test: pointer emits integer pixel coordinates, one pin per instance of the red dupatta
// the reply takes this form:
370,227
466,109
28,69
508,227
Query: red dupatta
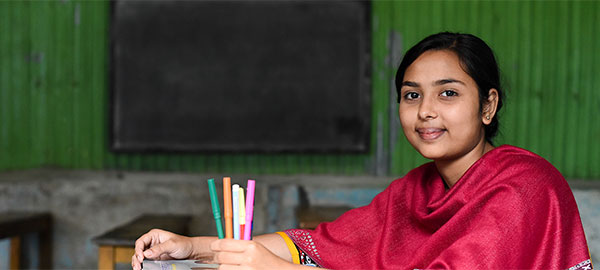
511,209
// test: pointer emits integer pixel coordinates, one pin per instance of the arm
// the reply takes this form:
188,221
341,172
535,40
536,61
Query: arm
163,245
255,255
276,245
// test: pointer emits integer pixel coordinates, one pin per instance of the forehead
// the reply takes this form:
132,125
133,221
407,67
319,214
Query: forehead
434,65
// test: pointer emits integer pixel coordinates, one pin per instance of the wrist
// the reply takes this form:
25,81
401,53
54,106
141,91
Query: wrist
201,247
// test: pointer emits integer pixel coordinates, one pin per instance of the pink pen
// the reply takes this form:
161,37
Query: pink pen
249,210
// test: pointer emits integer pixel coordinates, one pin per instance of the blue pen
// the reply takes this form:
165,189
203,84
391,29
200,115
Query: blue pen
236,206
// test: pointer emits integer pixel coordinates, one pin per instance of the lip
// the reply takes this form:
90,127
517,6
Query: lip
430,134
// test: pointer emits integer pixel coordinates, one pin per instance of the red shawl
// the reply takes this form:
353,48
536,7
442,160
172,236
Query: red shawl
511,209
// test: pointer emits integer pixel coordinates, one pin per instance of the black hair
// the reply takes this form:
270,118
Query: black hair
476,59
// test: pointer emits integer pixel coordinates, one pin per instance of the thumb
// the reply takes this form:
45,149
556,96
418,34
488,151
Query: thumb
160,249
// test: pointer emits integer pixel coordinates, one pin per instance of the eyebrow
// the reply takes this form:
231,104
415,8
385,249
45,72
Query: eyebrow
438,82
446,81
409,83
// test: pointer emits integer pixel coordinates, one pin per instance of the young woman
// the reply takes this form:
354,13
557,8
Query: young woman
474,206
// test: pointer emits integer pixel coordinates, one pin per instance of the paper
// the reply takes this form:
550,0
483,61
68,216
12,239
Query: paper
177,265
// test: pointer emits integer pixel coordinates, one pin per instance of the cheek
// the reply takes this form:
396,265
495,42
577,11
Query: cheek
406,116
463,119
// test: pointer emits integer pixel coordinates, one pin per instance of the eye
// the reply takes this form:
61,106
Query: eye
411,95
449,93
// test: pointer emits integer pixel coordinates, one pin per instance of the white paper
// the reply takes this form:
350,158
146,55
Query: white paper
177,265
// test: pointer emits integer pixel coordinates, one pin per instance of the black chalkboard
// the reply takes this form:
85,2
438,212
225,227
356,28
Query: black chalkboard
258,76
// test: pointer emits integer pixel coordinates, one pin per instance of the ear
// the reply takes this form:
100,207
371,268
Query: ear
489,107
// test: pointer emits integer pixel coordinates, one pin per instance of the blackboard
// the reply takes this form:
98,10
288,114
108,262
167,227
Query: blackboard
240,76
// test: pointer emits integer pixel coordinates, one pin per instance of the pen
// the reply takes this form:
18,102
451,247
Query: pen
215,206
227,207
249,210
235,193
242,213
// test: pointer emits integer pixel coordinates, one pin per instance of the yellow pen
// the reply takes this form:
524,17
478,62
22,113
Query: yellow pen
242,210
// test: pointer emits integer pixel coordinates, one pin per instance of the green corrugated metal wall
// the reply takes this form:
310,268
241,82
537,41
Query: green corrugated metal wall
54,96
548,53
52,86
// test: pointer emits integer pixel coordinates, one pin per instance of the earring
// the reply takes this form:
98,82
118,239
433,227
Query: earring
487,117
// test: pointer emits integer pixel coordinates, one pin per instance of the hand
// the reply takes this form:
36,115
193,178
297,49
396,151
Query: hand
161,245
241,254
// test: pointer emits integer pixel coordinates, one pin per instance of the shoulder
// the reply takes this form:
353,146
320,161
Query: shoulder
514,155
514,160
516,166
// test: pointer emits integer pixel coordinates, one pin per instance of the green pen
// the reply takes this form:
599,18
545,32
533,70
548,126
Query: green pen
215,207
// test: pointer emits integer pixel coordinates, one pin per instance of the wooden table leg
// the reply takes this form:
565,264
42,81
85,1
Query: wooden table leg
123,254
106,257
15,252
45,248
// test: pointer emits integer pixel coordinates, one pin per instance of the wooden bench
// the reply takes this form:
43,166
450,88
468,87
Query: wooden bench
117,245
16,224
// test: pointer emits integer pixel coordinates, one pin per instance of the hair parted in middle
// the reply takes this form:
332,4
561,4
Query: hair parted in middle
476,59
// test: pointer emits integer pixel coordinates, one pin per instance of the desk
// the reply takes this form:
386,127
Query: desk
16,224
117,245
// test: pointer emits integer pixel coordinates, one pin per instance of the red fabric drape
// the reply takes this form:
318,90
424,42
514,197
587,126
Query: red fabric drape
511,209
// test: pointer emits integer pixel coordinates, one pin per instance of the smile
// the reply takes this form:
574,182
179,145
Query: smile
429,134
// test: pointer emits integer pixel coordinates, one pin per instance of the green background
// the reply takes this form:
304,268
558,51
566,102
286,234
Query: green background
54,88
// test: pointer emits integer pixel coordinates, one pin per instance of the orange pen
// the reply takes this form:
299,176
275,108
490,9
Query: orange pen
227,208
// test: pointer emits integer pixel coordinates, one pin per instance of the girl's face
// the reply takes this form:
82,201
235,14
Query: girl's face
439,107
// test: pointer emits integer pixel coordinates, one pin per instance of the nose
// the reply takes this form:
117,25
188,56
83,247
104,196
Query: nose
427,109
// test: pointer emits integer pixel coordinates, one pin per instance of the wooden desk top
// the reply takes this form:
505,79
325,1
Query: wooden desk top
15,223
125,235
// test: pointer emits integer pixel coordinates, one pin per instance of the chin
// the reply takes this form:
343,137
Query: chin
431,151
431,155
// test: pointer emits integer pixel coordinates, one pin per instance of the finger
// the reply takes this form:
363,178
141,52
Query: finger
208,258
233,258
143,242
156,251
230,245
135,264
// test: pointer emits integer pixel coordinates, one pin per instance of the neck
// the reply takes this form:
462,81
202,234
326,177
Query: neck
452,170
